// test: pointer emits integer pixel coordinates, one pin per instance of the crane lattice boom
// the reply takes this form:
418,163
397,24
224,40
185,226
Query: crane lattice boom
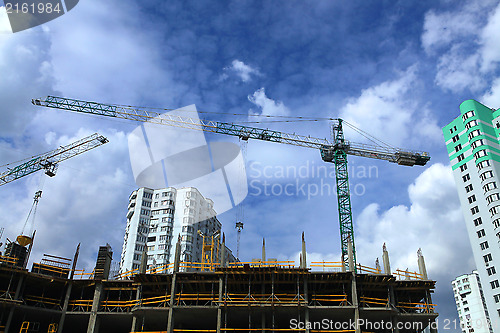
50,160
335,152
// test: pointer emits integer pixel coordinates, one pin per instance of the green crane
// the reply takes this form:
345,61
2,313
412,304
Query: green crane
334,152
49,161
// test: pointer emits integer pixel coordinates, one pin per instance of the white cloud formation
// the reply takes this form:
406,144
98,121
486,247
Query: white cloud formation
425,223
242,70
390,112
492,97
268,106
467,37
84,202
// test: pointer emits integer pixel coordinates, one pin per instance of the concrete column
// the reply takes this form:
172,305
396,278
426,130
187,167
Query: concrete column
170,323
219,307
355,302
392,301
350,256
94,319
177,257
135,321
385,259
306,299
421,265
223,251
68,291
377,266
304,253
263,249
16,297
65,307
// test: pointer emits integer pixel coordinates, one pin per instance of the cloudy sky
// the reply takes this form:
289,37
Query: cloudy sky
395,69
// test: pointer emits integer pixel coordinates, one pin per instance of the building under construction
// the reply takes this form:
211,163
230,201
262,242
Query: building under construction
259,296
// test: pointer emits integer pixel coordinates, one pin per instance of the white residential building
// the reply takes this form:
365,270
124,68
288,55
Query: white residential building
472,141
155,220
471,305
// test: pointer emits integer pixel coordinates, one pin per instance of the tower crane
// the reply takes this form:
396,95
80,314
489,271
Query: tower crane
49,161
334,151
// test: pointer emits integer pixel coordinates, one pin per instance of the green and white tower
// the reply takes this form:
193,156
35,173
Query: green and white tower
472,141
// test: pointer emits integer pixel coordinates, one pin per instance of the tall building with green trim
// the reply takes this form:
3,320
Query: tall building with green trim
472,141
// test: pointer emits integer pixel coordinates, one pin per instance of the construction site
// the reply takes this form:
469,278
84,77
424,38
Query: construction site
212,294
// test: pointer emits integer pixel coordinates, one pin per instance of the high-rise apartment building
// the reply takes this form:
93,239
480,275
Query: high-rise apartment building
472,141
156,218
471,305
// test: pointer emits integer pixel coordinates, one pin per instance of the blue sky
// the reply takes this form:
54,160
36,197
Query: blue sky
396,69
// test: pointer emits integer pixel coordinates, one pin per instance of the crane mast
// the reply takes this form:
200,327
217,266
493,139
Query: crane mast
335,151
50,160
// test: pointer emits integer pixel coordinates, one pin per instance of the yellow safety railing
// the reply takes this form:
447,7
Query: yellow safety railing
341,300
41,299
403,275
329,265
417,307
8,260
374,301
367,269
284,263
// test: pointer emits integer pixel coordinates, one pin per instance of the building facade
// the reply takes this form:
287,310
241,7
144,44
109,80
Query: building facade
155,220
471,305
474,153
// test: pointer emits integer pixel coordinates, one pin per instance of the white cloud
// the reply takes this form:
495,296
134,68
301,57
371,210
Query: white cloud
467,38
425,223
489,40
242,70
84,202
390,112
268,106
492,97
4,22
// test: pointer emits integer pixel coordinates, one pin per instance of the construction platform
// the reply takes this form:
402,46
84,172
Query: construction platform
253,297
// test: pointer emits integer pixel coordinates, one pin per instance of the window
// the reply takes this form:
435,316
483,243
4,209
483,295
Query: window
163,237
487,258
157,195
474,210
497,298
496,223
455,138
137,256
469,187
156,204
144,212
164,194
480,233
458,147
139,247
472,198
466,177
493,197
494,210
484,245
489,186
485,175
483,164
480,153
151,248
146,203
473,134
471,124
478,221
468,114
162,246
463,167
151,238
453,129
477,143
491,271
460,157
494,284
